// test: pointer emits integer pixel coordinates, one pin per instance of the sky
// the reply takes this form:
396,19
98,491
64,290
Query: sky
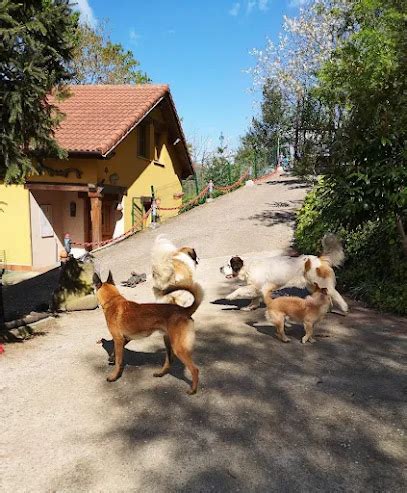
201,49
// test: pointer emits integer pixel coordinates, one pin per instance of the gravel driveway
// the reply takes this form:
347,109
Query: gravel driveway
268,416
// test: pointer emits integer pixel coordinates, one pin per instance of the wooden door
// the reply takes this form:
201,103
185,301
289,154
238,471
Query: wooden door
107,219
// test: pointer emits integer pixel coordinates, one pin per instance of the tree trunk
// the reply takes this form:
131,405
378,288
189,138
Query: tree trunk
402,233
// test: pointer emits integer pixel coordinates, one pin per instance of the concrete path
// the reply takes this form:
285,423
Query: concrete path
268,416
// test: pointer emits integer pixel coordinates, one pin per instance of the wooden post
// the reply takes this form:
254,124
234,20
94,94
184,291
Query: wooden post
96,217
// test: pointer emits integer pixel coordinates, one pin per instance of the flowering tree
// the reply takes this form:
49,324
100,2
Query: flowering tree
291,67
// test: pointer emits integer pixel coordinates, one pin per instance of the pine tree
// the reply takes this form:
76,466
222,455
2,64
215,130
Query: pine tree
36,44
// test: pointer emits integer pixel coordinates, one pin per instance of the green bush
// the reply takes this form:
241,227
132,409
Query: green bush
375,270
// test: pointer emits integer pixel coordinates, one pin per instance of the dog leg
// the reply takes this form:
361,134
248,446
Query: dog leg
168,359
182,339
278,319
118,356
254,304
309,331
111,358
243,292
338,300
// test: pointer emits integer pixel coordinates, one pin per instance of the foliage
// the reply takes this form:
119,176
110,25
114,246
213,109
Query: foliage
367,79
97,60
290,67
36,46
267,132
345,87
375,269
220,167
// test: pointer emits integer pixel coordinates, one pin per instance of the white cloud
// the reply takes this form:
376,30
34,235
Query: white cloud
235,9
134,36
87,16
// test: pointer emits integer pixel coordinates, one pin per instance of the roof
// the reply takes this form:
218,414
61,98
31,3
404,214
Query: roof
98,117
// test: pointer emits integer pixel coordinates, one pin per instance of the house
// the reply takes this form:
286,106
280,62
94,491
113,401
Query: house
123,142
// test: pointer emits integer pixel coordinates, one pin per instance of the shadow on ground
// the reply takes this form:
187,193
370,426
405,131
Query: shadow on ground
271,416
290,183
32,294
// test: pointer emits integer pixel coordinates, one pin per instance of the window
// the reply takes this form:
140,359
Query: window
143,141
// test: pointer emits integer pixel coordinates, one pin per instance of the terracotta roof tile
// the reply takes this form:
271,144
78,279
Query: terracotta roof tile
98,116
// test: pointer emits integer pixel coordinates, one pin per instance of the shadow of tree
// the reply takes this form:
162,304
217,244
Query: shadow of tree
139,358
32,294
270,218
271,416
290,183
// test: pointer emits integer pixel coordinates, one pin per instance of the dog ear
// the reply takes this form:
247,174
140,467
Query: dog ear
96,281
195,256
109,279
192,253
324,291
236,263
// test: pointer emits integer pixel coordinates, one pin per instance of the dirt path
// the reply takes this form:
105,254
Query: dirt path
268,416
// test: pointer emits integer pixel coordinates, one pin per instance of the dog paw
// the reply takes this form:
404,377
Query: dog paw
306,339
191,391
249,308
285,339
113,377
229,297
159,374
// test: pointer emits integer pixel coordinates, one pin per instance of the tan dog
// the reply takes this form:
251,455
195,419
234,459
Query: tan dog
309,311
128,320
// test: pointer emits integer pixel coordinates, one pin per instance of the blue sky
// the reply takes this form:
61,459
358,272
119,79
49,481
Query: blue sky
201,49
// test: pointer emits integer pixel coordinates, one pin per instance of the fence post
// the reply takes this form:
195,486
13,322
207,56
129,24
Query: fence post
153,208
210,191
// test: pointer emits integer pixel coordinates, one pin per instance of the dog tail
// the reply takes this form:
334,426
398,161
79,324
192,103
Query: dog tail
196,291
332,250
267,291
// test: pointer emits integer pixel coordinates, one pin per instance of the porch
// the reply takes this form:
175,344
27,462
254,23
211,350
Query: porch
89,213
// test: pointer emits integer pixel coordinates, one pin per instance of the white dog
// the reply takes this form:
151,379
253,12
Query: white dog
282,272
172,266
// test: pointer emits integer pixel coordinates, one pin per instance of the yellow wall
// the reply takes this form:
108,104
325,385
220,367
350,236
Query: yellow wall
15,228
137,174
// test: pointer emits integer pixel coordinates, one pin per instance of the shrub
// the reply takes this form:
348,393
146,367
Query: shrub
375,270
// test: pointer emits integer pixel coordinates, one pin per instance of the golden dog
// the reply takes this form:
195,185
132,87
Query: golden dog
128,320
308,311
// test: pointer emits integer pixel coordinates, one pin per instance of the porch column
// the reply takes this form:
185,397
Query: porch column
96,216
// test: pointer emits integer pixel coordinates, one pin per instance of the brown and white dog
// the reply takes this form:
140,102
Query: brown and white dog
127,320
308,311
283,272
172,266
